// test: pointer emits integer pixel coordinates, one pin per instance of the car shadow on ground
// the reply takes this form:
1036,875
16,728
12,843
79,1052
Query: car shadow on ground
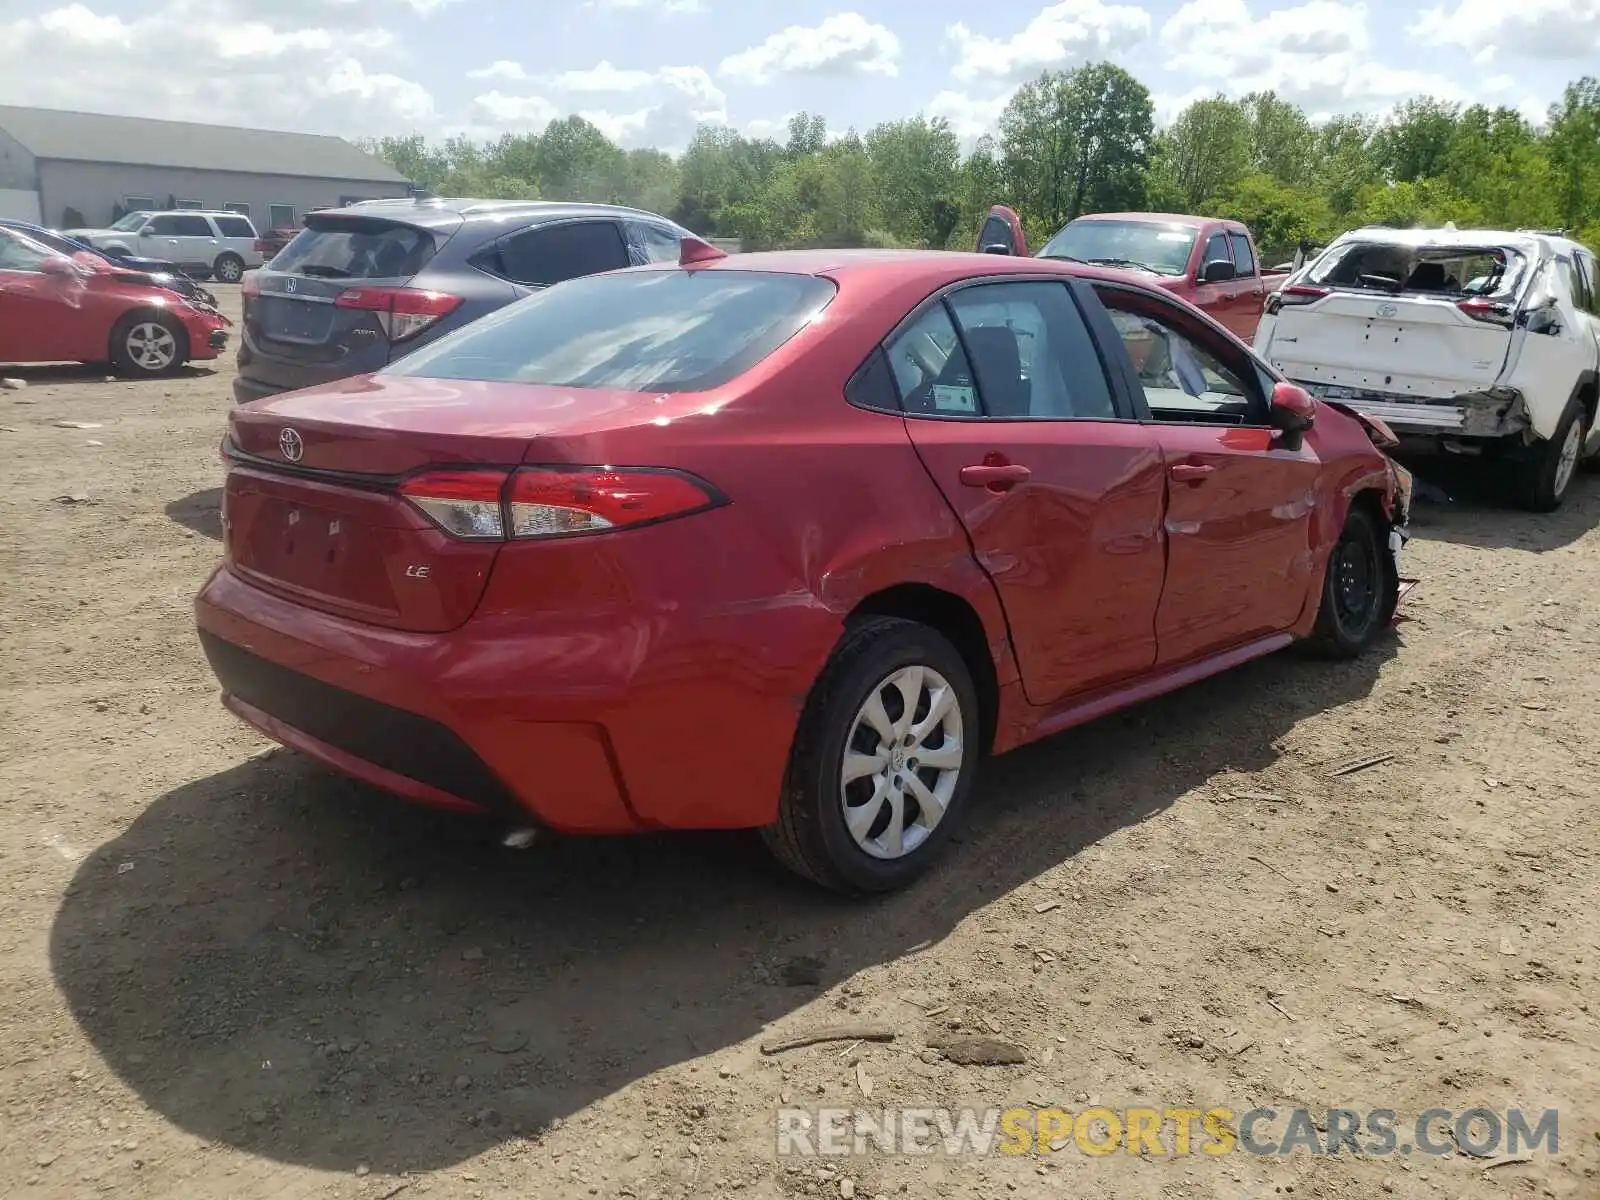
295,965
200,511
67,374
1469,507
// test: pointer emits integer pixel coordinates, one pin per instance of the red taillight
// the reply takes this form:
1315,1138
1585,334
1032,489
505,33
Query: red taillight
403,312
465,504
546,502
1297,293
1487,311
250,285
553,501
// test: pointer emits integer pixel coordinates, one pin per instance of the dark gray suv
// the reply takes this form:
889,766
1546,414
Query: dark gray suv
360,286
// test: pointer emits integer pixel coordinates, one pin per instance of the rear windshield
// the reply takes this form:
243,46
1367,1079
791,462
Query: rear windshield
641,331
1438,270
353,249
1156,246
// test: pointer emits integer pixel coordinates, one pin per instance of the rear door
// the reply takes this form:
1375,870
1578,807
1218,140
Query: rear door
239,235
1239,502
184,238
297,330
556,251
1060,490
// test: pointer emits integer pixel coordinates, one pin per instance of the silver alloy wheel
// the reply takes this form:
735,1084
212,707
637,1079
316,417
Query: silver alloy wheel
1571,448
151,346
902,761
231,270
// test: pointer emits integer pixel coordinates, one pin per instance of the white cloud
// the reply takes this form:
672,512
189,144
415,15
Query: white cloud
970,117
306,63
667,7
843,44
501,68
603,77
665,106
1060,35
1540,29
1317,54
524,114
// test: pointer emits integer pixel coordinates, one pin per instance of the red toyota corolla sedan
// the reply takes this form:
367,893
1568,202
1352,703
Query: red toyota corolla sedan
787,541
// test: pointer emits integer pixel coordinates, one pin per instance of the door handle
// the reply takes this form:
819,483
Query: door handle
1191,472
997,477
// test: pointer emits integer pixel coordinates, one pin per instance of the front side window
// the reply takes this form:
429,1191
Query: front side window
646,331
1216,251
18,254
551,254
1189,375
176,226
141,210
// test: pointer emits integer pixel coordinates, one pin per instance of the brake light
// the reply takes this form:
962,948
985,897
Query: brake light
403,312
1487,311
1297,293
465,504
541,502
250,285
553,501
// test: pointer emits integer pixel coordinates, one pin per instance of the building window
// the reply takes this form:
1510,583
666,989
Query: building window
237,206
190,204
280,216
135,204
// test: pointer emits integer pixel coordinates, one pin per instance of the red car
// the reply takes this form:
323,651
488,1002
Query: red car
787,541
55,308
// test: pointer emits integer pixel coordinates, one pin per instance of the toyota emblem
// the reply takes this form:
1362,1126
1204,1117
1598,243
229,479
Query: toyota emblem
291,445
1387,310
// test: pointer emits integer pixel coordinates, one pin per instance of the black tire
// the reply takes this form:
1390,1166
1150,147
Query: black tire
811,836
1360,590
1538,477
135,328
229,268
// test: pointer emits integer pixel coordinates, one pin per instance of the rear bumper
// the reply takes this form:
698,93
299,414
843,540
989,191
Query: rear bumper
587,724
1483,416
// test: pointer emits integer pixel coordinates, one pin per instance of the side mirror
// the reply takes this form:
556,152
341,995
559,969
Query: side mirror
996,248
1218,270
1294,410
57,266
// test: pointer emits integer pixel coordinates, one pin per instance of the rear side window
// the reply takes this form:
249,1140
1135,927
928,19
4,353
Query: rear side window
645,331
175,226
1591,281
657,243
357,250
1243,260
235,227
550,254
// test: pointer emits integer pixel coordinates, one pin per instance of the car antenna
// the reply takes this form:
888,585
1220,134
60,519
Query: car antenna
695,252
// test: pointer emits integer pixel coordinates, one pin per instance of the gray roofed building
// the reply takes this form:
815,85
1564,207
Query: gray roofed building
73,168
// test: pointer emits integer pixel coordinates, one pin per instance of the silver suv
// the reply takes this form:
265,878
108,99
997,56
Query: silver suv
219,244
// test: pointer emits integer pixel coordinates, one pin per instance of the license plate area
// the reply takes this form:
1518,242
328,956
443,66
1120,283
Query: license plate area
299,321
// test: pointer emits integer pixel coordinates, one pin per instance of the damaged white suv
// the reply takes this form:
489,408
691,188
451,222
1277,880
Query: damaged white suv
1471,342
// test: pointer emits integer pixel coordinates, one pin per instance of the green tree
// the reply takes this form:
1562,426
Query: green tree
1077,141
1282,142
916,164
1416,140
1205,151
1574,141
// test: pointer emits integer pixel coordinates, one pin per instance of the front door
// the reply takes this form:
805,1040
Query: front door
1239,498
39,317
1058,488
1229,302
185,238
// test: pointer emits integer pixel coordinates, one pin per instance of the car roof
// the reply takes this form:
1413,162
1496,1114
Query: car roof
933,268
1189,220
449,212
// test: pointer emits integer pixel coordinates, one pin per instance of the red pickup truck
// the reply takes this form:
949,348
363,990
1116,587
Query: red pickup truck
1211,263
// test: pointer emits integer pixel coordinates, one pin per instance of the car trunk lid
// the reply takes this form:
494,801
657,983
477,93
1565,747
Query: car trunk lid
313,507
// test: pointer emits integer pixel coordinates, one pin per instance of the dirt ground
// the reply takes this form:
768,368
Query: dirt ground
227,973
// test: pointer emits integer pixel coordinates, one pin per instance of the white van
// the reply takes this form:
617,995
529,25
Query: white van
1475,342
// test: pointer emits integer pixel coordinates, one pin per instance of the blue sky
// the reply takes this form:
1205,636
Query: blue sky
647,71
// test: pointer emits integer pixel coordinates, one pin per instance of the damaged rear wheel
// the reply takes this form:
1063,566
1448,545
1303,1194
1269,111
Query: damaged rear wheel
1543,478
1360,589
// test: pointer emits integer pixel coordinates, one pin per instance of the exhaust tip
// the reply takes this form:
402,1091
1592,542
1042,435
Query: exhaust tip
519,839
